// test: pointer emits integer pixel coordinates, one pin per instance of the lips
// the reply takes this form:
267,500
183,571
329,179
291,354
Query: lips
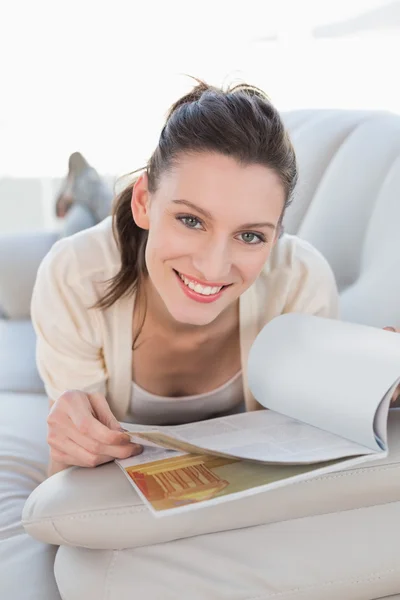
199,291
205,290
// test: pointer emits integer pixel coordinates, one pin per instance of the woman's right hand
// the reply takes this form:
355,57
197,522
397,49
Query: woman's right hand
82,431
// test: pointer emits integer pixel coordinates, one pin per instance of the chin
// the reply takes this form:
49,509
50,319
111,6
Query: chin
196,318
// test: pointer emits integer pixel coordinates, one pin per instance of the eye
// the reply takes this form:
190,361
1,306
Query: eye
251,238
190,221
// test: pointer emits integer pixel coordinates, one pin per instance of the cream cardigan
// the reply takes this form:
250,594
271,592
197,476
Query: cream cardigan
90,350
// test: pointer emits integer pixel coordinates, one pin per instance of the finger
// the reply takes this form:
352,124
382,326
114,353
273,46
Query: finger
66,451
73,416
89,426
388,328
103,411
124,450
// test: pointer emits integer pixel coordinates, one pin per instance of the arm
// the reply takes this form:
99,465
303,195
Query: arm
82,430
54,466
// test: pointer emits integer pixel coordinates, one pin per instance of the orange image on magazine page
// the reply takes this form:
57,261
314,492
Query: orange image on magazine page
181,480
192,480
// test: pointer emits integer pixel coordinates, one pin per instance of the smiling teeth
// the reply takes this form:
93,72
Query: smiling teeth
205,290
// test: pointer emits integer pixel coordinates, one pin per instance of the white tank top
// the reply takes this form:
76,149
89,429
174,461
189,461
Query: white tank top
150,409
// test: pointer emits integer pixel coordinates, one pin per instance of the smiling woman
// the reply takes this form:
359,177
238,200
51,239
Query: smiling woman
150,315
220,243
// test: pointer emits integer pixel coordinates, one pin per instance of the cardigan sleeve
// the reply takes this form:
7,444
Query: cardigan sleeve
68,347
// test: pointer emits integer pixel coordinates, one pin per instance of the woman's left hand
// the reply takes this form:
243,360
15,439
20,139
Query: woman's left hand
396,395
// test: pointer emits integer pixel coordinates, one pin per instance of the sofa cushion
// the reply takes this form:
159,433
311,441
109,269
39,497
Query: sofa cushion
20,256
26,565
98,508
351,555
18,372
23,455
27,569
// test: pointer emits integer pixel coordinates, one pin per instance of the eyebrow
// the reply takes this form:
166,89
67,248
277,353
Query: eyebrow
209,216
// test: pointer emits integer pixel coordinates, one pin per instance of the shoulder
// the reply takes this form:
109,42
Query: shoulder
298,257
81,260
71,279
297,278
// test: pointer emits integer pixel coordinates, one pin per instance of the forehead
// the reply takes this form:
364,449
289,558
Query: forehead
220,183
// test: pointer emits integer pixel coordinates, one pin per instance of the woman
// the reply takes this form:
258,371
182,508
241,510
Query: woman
85,199
149,317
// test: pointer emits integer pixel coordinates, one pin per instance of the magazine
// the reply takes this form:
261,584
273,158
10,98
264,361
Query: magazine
326,386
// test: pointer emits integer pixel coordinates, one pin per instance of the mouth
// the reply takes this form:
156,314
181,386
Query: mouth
198,291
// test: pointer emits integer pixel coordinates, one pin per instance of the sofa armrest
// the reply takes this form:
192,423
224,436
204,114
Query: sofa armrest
99,509
20,256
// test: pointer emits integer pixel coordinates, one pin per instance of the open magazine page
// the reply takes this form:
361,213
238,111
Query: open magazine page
381,417
263,436
175,481
327,373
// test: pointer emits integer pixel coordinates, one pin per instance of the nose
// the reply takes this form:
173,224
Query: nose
213,261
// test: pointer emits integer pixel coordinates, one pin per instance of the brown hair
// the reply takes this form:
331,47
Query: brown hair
240,122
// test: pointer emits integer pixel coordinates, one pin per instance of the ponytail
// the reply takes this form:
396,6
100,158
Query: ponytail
131,241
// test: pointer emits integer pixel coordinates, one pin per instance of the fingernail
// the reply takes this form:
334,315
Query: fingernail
122,429
138,448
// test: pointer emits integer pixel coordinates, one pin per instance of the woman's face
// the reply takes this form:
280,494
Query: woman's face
211,226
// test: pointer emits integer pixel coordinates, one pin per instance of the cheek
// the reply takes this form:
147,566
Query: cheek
165,242
252,262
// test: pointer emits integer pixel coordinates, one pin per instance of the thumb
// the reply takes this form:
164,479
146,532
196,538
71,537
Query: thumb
102,411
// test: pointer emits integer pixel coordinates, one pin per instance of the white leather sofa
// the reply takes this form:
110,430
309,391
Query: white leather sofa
337,536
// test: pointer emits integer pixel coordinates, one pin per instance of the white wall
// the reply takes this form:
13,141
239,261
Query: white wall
22,205
88,77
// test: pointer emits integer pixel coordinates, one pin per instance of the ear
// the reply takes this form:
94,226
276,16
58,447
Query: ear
140,202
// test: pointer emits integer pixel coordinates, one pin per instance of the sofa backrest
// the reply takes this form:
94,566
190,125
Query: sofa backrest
347,204
20,256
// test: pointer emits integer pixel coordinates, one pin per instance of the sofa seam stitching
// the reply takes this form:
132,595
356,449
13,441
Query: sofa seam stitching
143,508
85,515
107,513
79,545
325,584
109,575
59,534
